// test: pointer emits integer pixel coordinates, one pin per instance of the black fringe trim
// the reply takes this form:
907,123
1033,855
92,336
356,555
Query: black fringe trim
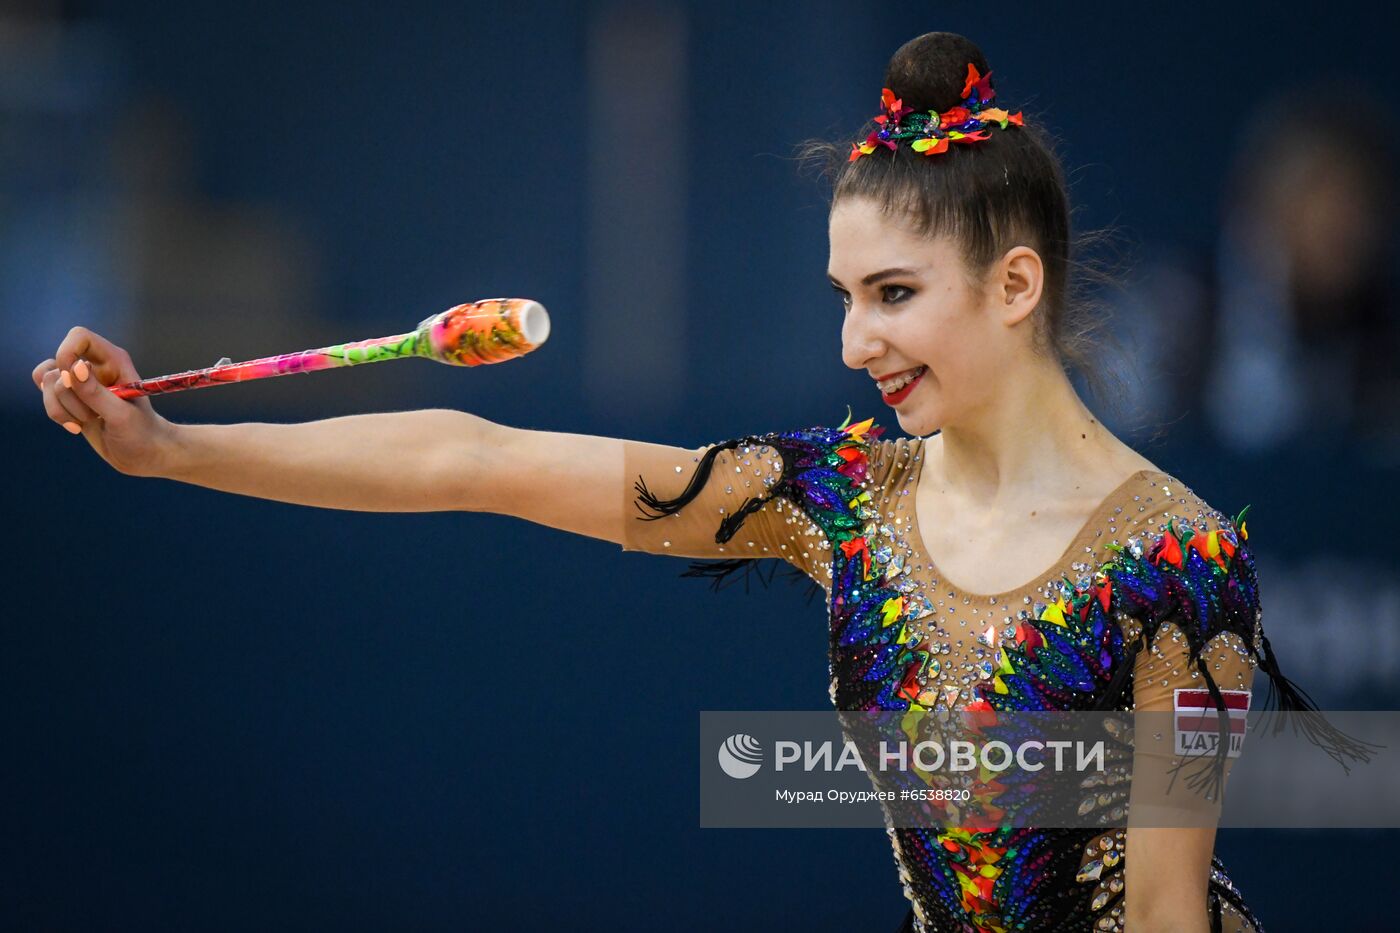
725,573
1209,779
1285,696
664,507
660,508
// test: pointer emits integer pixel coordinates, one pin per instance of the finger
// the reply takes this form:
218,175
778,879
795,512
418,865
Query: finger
40,370
70,400
53,407
94,394
62,403
110,361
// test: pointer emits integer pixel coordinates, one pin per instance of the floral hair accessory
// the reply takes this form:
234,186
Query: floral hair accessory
931,131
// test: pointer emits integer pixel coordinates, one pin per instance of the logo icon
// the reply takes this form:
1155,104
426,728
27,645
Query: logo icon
741,756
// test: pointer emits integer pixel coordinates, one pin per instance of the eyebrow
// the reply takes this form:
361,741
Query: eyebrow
874,277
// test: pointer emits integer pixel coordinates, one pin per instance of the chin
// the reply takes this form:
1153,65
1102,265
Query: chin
920,420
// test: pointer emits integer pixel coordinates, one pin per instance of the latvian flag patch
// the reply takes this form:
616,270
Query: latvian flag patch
1198,721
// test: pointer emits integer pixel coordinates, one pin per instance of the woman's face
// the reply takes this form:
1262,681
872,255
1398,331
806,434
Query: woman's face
909,307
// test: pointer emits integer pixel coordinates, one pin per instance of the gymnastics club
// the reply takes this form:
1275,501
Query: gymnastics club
490,331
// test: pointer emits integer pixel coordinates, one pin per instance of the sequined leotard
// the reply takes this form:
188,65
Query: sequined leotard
1158,585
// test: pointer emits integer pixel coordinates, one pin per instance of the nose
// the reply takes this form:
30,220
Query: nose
862,338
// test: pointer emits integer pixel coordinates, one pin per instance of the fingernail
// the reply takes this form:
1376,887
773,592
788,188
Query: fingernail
80,369
73,427
66,379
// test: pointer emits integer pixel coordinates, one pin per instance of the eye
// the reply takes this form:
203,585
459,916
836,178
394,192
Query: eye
845,296
896,288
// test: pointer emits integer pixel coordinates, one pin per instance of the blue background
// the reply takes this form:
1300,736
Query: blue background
231,714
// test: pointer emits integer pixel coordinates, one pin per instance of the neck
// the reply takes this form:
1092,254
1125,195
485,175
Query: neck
1032,432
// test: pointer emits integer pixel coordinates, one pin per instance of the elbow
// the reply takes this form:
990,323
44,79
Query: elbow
459,469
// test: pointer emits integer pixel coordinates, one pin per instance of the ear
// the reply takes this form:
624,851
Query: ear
1017,282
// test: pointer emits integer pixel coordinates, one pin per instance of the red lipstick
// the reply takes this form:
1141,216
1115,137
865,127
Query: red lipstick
896,397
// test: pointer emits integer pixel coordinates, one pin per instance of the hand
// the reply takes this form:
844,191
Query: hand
129,435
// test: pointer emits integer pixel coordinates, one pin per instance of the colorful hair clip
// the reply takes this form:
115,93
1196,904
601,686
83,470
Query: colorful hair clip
930,133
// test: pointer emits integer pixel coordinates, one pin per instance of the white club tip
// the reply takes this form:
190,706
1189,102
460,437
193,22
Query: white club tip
534,323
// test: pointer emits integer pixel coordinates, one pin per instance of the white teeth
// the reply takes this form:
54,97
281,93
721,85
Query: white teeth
891,386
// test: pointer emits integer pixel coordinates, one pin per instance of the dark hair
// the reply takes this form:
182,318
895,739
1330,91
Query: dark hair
989,196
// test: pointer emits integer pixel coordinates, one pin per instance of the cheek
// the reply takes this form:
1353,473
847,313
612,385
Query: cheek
960,355
949,343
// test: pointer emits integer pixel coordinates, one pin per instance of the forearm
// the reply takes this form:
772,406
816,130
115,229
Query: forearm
411,461
1167,872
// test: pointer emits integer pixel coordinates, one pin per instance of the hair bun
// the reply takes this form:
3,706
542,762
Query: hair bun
928,73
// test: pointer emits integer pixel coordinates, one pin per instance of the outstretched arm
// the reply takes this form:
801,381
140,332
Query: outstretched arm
412,461
445,460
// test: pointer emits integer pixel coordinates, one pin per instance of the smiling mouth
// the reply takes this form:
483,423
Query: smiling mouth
896,389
